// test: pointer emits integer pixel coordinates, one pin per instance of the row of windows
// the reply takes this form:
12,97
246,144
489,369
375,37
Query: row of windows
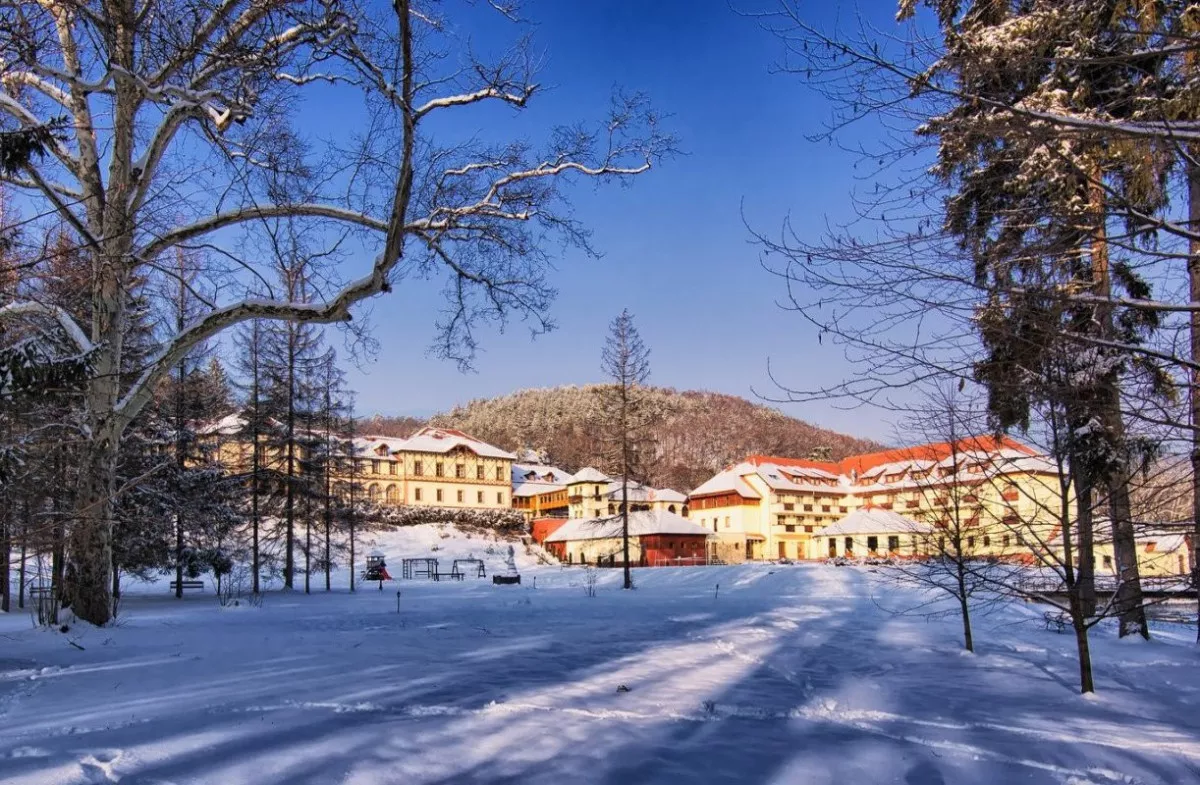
392,495
460,470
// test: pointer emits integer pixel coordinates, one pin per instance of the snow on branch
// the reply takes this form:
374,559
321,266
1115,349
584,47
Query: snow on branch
59,315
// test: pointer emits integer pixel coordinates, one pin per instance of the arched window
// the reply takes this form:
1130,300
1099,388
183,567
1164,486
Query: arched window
612,509
670,508
373,492
390,493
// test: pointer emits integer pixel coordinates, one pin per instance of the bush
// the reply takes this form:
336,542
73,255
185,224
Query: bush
507,521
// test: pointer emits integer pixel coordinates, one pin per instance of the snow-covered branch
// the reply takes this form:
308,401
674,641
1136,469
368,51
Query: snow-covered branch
51,311
514,98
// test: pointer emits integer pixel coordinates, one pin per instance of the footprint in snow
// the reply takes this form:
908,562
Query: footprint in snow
98,767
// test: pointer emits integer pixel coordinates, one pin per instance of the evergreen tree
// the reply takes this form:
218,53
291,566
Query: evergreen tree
626,413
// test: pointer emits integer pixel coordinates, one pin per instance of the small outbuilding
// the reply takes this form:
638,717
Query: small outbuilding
874,532
657,538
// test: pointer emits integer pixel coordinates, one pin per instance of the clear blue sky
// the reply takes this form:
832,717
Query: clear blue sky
676,251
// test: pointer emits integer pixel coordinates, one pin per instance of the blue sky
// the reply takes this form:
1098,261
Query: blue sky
676,250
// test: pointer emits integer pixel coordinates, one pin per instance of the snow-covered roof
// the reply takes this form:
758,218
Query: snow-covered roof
443,440
376,446
875,521
643,522
589,474
228,425
729,481
538,473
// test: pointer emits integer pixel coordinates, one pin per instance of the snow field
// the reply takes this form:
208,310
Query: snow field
795,674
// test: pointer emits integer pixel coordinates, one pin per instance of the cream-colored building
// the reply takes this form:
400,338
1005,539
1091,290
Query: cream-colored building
995,493
868,533
593,494
656,538
436,467
540,491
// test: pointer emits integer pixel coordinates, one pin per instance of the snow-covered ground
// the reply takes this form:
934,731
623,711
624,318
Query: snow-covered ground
795,674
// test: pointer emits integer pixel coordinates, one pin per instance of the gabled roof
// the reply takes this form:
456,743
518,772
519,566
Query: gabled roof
539,473
443,440
228,425
637,492
368,446
644,522
589,474
875,521
729,481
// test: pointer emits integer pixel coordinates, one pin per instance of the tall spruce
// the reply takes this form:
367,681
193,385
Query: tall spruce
626,414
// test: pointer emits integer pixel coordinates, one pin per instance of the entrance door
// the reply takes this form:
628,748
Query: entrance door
783,550
832,548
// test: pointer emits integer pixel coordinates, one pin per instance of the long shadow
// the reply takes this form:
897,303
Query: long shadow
831,701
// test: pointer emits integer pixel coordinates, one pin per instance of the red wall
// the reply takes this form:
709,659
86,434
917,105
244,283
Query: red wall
541,528
670,546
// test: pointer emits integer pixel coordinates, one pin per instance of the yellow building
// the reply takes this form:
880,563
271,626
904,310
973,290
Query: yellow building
593,494
772,507
867,533
540,491
436,467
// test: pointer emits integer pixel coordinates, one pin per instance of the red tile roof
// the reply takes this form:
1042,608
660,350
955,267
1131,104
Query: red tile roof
926,452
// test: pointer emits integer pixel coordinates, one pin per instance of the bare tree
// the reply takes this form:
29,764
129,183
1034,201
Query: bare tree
180,118
626,412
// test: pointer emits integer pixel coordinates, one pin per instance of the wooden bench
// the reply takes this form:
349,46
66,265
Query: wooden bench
1058,620
505,580
188,585
456,576
36,592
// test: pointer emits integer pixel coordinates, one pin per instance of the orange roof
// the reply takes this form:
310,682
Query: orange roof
800,463
921,452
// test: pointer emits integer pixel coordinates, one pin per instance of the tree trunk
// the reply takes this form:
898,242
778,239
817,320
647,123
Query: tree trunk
21,570
964,607
1086,684
289,559
625,529
350,512
6,527
1128,600
88,582
1193,270
1085,572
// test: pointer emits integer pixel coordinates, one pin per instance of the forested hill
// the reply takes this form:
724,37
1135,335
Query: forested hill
699,432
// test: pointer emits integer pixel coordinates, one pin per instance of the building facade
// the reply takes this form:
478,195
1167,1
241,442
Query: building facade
656,539
776,507
436,467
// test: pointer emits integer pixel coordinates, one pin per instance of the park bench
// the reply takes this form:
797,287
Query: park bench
39,591
188,585
1058,620
505,580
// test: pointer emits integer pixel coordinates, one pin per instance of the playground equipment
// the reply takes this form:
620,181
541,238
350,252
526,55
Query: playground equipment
424,567
480,570
376,569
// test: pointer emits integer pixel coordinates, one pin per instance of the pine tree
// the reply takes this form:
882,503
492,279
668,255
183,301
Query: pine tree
1033,213
626,413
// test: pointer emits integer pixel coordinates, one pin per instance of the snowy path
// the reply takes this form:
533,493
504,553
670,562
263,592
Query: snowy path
793,674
